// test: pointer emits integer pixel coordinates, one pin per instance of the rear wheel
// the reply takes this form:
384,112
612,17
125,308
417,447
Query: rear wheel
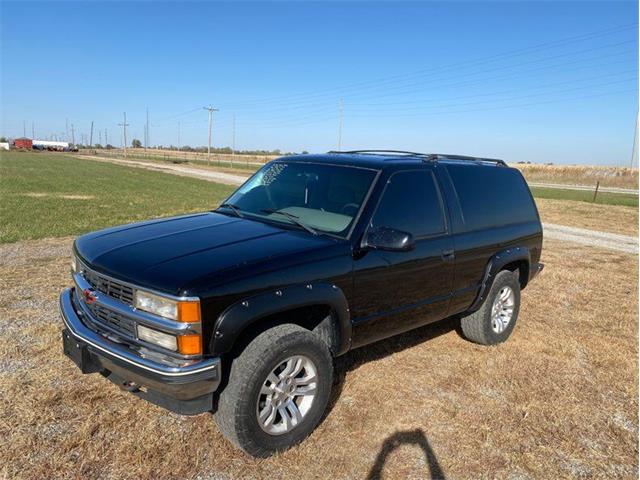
496,318
278,390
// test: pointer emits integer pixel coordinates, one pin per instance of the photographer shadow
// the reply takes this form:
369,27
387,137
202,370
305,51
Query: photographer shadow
411,437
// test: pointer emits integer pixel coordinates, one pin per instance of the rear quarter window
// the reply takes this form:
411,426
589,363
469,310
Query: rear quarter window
492,196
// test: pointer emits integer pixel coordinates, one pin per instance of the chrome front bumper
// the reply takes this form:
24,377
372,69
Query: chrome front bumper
184,388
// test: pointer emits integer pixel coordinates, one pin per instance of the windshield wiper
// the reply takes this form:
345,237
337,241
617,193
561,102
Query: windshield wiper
294,218
233,208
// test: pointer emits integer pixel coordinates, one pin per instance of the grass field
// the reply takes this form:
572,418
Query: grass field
51,195
603,198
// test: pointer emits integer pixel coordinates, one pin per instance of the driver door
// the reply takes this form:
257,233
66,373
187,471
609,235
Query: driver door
395,291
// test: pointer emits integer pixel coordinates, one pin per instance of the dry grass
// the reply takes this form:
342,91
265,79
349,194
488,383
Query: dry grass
620,177
608,218
560,399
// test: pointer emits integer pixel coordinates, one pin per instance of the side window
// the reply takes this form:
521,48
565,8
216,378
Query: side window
411,203
491,196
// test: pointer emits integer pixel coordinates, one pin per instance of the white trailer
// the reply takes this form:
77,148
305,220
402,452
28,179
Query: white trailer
50,144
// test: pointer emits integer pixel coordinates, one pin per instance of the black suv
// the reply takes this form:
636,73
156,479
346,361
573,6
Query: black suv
241,310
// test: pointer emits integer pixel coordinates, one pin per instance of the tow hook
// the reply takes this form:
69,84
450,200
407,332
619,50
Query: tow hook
131,387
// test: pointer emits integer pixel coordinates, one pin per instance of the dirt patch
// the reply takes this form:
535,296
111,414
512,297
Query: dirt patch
559,399
185,171
57,195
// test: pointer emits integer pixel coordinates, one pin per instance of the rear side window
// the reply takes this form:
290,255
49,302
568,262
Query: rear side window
411,203
491,196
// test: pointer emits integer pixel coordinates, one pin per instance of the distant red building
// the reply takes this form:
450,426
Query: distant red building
23,142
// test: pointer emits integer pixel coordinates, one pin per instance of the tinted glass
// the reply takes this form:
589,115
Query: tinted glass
491,196
411,203
324,197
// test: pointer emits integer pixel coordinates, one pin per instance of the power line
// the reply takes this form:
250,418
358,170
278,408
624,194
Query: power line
430,70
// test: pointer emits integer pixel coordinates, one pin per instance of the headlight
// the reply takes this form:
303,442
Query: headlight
182,311
161,339
161,306
74,266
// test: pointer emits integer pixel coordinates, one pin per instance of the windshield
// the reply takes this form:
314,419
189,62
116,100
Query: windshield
317,197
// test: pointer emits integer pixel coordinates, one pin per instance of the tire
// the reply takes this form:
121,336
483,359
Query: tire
479,327
238,405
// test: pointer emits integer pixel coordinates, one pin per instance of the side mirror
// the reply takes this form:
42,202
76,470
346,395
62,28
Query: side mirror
389,239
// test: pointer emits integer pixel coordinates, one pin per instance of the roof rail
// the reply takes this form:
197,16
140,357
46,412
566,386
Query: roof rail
445,156
425,156
377,151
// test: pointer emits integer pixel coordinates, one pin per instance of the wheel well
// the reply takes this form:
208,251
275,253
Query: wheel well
320,319
522,267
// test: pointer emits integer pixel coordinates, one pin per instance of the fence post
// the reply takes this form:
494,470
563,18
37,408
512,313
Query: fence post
595,194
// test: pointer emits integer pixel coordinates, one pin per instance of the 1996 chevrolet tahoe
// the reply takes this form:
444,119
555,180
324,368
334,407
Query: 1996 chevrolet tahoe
241,310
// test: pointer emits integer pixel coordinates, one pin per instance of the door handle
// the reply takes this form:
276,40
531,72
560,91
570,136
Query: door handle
448,255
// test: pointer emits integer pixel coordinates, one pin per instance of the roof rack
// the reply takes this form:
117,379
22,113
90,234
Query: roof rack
426,156
444,156
376,151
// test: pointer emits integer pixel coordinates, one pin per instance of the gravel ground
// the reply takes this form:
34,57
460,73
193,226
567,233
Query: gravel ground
593,238
210,175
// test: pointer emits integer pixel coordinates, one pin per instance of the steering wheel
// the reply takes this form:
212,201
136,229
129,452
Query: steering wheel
349,205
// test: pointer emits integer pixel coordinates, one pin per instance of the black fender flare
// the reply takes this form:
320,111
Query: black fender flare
242,314
494,266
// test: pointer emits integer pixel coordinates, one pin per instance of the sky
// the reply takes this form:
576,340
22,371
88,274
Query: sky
535,81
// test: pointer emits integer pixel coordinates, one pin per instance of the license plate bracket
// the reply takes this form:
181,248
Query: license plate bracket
77,351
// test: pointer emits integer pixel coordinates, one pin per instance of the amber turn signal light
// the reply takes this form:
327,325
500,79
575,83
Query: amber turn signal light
190,344
189,311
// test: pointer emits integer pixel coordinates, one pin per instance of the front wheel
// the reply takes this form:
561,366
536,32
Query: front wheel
496,318
278,390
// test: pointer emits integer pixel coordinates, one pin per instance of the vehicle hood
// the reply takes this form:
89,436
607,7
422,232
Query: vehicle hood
171,254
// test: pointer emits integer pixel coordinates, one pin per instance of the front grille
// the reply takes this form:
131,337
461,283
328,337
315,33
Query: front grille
115,321
102,316
108,286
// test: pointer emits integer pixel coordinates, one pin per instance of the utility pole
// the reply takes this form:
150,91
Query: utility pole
91,135
66,128
73,136
100,137
33,131
634,148
106,140
340,108
146,132
211,110
233,141
124,126
178,135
